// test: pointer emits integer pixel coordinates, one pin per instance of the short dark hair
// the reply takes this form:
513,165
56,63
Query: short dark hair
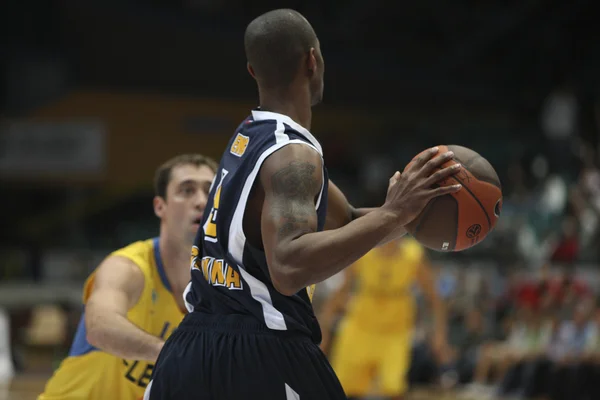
162,177
275,43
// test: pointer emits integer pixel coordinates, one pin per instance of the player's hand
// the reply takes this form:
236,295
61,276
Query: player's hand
410,192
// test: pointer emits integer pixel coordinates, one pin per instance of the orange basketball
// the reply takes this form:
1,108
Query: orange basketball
460,220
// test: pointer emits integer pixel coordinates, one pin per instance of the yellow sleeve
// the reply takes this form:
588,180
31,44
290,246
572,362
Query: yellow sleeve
137,252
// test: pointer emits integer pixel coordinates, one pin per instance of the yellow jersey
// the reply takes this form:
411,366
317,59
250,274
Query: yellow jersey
383,301
91,374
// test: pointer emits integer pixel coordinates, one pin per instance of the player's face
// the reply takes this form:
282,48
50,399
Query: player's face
317,84
187,193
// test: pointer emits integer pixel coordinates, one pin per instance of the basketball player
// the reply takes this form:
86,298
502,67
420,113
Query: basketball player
251,332
134,299
375,335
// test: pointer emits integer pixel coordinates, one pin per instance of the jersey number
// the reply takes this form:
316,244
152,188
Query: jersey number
210,227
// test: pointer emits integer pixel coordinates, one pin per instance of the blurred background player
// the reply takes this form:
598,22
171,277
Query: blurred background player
372,347
134,299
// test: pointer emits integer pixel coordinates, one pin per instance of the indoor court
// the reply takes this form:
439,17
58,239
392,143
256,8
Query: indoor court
145,172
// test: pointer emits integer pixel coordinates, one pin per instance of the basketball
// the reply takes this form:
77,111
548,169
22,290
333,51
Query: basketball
458,221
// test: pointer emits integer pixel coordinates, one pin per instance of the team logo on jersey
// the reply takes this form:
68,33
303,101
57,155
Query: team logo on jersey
238,148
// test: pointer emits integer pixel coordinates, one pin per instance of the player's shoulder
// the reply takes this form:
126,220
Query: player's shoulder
293,166
280,128
140,253
140,248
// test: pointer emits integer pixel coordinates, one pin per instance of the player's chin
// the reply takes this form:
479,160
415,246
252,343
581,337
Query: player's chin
195,227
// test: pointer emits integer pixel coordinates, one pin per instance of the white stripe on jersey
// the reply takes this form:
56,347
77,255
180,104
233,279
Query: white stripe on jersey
273,317
188,289
147,391
237,238
290,394
259,115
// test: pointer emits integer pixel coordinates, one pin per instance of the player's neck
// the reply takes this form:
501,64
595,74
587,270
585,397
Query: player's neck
294,104
175,257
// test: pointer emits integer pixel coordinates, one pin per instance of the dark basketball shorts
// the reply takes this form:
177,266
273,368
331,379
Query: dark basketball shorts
217,357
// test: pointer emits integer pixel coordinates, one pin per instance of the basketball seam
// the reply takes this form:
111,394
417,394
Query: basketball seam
493,182
469,162
478,202
423,213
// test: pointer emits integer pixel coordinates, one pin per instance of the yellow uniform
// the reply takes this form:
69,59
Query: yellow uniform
375,337
91,374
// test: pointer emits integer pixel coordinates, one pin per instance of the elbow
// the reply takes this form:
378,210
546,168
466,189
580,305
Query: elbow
93,334
285,282
93,338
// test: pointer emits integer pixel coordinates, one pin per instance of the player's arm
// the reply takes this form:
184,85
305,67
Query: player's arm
298,255
340,212
426,279
118,285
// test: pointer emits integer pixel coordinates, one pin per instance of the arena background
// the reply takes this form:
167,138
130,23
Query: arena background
95,95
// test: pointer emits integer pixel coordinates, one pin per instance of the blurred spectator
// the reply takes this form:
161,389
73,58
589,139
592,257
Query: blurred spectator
468,339
567,247
559,123
567,351
566,292
499,362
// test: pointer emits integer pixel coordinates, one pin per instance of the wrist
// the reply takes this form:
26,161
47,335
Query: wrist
389,218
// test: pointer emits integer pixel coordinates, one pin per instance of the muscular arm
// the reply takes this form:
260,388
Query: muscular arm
118,284
297,255
340,212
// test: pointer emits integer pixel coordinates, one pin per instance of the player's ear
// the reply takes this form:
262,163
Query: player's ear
159,206
311,61
250,70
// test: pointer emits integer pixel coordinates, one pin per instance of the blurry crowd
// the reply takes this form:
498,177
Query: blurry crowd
537,338
557,214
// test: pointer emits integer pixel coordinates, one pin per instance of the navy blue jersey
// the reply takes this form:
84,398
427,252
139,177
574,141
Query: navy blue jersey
229,275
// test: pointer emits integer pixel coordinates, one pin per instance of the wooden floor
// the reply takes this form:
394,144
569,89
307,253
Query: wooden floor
27,387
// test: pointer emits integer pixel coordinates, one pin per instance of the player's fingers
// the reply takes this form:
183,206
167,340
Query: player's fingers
436,163
443,190
442,174
395,178
423,158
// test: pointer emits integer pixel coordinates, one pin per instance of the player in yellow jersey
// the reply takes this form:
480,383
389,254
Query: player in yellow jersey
133,300
373,344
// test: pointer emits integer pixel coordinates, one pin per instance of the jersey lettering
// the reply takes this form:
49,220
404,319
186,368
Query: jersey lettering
219,273
210,228
138,372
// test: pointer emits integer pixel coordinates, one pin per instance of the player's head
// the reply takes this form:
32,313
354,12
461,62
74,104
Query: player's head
181,187
282,49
